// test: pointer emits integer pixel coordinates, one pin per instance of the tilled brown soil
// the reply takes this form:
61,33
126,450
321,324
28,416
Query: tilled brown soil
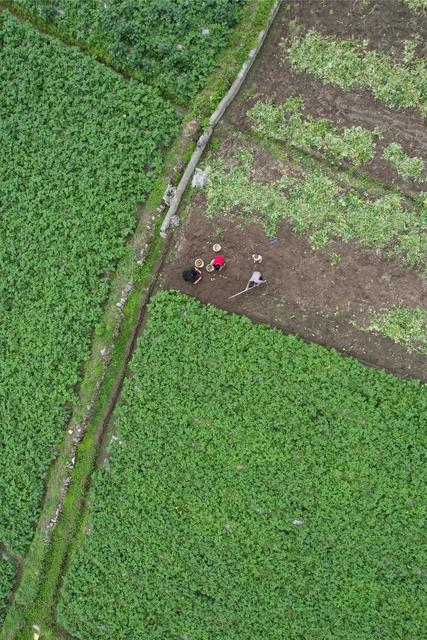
305,294
385,24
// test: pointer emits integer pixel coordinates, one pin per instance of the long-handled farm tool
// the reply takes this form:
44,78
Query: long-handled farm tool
247,289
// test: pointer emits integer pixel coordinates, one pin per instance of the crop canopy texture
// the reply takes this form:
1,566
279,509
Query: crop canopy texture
256,487
171,43
7,573
80,147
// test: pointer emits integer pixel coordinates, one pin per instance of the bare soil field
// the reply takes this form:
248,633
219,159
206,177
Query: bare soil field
307,293
304,294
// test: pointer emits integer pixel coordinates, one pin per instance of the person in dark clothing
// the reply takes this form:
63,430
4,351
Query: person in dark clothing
193,275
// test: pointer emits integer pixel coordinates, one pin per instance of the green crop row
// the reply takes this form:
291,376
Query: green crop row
256,487
7,574
416,4
407,327
172,44
409,168
319,206
81,147
286,123
350,65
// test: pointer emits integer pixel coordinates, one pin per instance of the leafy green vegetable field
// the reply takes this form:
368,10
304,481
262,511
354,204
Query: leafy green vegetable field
7,574
256,487
173,44
80,148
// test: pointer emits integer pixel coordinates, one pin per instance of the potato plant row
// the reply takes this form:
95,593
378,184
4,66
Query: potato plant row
80,148
317,204
255,487
354,146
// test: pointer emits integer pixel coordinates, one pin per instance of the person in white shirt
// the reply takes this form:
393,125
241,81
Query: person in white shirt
255,279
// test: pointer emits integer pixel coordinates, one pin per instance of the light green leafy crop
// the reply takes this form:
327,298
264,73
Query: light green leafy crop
317,205
350,65
286,123
404,326
409,168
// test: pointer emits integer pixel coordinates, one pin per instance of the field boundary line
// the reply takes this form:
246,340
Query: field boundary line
102,433
129,280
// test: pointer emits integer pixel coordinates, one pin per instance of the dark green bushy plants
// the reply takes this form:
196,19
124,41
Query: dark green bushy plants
81,147
173,44
7,574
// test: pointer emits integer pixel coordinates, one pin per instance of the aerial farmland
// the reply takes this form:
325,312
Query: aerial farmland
213,338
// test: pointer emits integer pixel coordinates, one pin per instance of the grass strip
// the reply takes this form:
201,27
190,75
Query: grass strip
243,39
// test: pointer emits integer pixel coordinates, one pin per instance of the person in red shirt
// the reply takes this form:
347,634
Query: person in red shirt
218,262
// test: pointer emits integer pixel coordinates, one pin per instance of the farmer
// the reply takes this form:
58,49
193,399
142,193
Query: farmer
218,263
193,275
255,279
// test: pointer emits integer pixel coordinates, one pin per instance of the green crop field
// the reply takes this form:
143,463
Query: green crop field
7,573
80,148
256,487
171,44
